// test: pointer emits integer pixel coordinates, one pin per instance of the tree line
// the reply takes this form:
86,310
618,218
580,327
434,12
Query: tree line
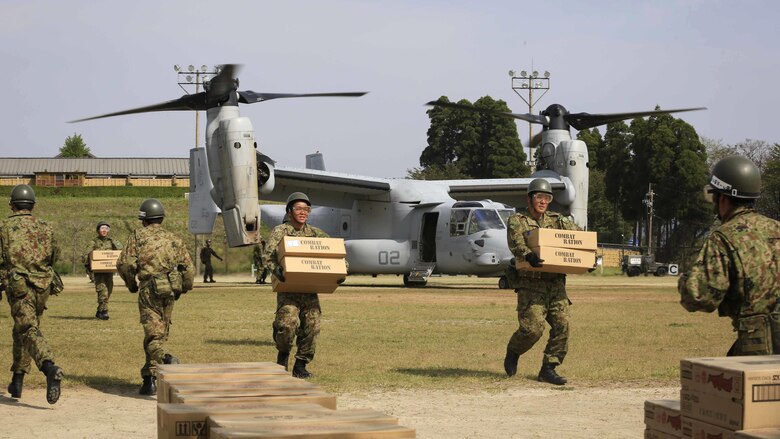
661,152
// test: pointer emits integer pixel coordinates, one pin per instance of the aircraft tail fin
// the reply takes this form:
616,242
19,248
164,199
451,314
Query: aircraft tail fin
202,209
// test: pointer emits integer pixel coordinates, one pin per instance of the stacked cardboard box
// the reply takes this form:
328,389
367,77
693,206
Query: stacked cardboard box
103,261
563,251
724,398
257,400
662,419
311,265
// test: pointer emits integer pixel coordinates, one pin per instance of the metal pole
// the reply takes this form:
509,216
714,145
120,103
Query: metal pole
197,113
650,219
530,125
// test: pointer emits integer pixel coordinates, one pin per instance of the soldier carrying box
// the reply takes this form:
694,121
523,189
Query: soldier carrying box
296,313
104,280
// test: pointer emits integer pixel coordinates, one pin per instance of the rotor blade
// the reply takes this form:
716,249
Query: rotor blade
250,97
580,121
522,116
187,102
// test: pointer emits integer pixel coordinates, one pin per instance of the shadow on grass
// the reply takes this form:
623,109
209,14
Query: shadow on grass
449,372
107,384
72,317
243,342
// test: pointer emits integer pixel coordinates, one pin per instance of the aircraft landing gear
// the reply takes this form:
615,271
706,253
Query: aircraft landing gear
503,283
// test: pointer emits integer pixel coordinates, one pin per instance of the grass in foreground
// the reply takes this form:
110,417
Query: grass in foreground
378,335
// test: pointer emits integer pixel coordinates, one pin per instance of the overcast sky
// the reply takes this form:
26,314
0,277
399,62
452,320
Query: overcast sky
68,60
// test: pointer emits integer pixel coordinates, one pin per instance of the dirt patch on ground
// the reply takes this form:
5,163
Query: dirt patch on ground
534,412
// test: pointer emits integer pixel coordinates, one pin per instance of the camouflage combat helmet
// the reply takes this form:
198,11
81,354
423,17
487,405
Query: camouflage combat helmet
100,224
22,194
737,177
297,196
539,185
151,209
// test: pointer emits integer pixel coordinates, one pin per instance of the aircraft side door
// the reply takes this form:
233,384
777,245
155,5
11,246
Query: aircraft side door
428,236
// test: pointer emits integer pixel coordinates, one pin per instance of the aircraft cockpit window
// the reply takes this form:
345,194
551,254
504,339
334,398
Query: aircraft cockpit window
458,220
484,219
505,214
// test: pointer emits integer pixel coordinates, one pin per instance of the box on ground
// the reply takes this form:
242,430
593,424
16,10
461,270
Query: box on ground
574,239
102,255
561,260
663,415
188,367
183,421
310,275
762,433
737,393
166,379
311,247
695,429
352,431
251,422
655,434
311,397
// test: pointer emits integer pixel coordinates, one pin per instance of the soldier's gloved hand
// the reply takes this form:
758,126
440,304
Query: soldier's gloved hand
534,260
176,295
512,262
133,289
341,281
279,273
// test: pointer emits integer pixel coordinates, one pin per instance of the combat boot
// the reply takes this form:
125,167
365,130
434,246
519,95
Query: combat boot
170,359
103,315
17,382
548,375
149,387
54,375
510,362
283,358
299,369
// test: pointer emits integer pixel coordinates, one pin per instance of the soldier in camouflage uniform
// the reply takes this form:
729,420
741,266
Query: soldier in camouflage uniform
261,272
27,256
156,264
104,282
205,257
540,296
737,271
297,314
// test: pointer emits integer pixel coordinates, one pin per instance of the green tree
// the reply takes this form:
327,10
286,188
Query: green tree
466,144
769,203
595,144
75,147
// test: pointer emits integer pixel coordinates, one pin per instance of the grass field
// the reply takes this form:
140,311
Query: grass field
378,335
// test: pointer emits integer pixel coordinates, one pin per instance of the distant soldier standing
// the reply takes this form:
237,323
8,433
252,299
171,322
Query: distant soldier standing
157,265
540,296
104,282
27,256
260,270
205,257
738,269
297,314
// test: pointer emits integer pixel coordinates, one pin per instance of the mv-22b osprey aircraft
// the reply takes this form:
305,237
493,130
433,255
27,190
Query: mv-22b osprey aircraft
391,226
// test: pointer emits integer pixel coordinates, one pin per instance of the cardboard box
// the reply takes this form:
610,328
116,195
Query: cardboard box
560,260
762,433
310,275
663,415
730,413
271,397
352,431
217,367
182,421
102,255
254,421
573,239
655,434
103,266
228,387
695,429
311,247
167,380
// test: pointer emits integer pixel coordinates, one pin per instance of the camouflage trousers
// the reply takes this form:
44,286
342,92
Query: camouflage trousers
104,286
29,342
155,314
297,315
546,301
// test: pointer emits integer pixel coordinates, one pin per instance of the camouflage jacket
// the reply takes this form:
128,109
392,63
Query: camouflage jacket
257,255
271,260
153,251
106,243
521,223
27,247
738,268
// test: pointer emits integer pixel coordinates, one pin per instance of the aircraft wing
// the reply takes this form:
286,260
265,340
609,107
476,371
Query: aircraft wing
326,188
503,190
